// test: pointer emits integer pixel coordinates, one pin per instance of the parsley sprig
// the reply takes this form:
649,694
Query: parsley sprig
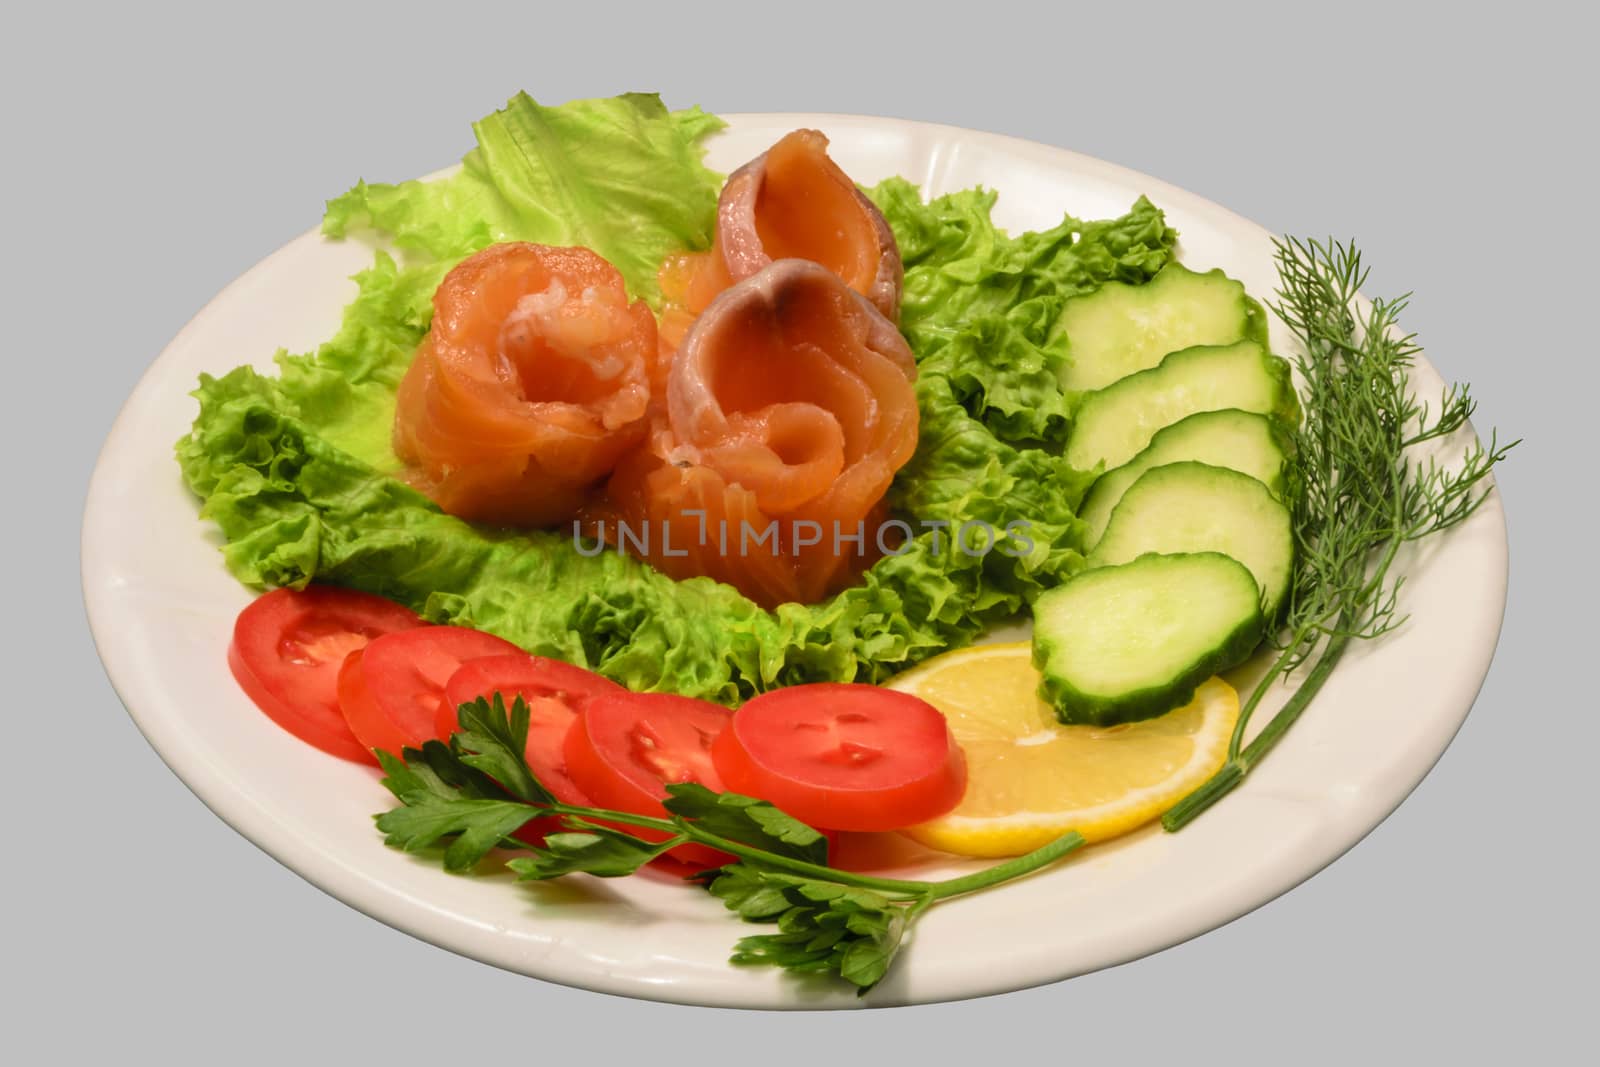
1361,485
473,794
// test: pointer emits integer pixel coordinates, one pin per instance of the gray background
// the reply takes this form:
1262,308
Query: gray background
157,153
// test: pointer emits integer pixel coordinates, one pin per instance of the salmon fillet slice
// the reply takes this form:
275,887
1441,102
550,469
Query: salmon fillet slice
791,202
533,382
789,408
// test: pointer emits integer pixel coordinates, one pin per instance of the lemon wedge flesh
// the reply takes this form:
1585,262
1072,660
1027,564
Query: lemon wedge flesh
1031,779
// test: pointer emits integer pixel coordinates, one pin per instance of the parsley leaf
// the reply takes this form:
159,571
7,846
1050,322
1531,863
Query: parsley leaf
479,790
823,927
596,850
493,741
747,820
433,809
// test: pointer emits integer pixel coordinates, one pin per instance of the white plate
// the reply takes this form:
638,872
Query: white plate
161,608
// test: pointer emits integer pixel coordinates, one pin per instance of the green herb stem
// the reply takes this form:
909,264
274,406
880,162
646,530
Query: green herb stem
1356,494
1013,868
898,887
1296,704
1209,792
1239,763
1236,742
690,832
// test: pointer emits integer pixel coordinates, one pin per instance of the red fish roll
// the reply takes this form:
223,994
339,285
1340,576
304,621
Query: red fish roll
789,410
533,382
791,202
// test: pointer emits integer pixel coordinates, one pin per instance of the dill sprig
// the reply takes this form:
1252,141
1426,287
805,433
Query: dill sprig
1360,484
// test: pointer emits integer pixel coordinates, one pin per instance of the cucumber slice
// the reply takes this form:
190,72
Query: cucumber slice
1244,441
1133,641
1119,328
1195,507
1116,423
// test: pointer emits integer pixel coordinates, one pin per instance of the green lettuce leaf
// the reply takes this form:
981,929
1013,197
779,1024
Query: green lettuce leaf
960,267
623,172
296,469
621,175
979,305
963,474
295,508
1005,381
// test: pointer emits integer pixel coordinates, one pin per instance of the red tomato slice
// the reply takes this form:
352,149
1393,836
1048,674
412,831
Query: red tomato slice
845,757
520,675
555,691
623,750
390,691
287,648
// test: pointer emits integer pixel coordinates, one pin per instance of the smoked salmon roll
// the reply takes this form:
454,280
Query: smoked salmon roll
792,201
534,380
789,409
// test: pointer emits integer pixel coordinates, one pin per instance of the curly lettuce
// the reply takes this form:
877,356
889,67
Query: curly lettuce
297,472
621,175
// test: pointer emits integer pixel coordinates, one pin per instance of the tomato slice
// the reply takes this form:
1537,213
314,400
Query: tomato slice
844,756
529,677
390,690
554,691
287,649
623,750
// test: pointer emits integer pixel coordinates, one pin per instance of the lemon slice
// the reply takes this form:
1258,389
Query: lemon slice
1031,779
